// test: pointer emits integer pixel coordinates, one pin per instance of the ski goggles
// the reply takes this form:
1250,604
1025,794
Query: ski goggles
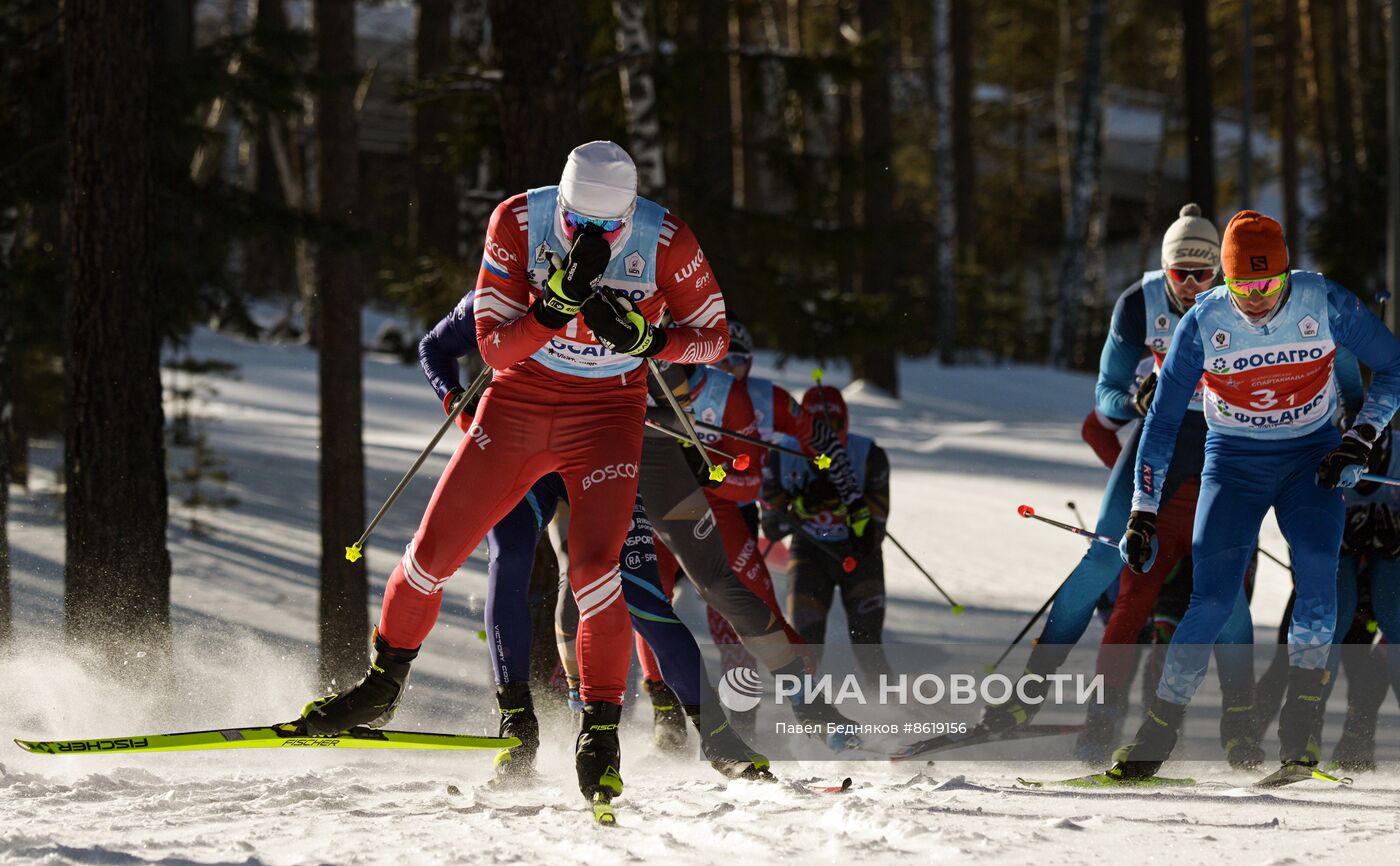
1263,286
1198,275
577,221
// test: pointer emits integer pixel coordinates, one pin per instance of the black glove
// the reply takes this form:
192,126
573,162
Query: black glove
1138,547
1343,465
776,524
464,418
570,282
820,495
865,532
619,325
698,467
1147,389
1385,538
1359,531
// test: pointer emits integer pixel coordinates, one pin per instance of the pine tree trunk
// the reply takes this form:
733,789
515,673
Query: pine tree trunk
1084,180
344,598
1341,103
639,95
7,399
703,133
946,188
538,85
1311,23
1288,123
961,29
117,569
877,363
435,190
1200,137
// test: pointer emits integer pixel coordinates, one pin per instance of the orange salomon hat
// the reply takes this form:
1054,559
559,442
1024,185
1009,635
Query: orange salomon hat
1253,246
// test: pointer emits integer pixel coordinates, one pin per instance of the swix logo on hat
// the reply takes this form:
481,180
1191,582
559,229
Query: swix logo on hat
610,473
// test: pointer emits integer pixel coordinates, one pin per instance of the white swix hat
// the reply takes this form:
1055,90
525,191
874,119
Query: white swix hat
1191,238
600,180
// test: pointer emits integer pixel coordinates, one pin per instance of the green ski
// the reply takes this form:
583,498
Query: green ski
1104,780
1288,774
283,736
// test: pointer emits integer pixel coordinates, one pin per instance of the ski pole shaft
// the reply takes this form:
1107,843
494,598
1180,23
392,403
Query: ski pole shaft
1276,560
1027,511
353,552
1078,518
752,440
848,563
1376,479
740,462
1023,632
957,608
716,472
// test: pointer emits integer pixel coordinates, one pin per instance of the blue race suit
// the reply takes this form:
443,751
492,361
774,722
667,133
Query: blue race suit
1270,397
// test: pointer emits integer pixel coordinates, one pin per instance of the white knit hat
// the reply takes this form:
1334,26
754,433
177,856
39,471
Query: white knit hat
600,180
1191,238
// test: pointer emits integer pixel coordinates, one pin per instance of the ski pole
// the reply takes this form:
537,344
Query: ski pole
992,668
822,461
1275,558
717,473
353,552
957,608
1078,518
740,462
1027,511
1374,479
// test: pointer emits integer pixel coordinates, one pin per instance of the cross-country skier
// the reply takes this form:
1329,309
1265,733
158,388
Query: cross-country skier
512,543
797,498
1265,343
573,279
1146,319
1370,556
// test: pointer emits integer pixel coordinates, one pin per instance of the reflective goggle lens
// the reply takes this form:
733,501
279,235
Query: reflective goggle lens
1264,286
578,221
1199,275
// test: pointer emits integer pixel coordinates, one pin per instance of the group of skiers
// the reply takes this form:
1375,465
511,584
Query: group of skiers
617,380
1241,410
600,318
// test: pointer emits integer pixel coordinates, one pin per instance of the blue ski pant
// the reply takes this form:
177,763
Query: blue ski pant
1385,604
1242,479
512,556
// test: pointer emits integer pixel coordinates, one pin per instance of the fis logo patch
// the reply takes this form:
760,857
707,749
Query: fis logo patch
1308,326
635,264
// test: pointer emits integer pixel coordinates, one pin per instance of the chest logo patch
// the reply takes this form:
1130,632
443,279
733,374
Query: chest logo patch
1308,326
1220,339
635,264
1162,322
541,251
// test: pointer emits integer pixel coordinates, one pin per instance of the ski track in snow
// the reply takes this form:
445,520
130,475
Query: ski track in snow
967,447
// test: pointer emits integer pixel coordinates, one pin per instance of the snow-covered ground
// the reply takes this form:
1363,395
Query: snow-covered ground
967,446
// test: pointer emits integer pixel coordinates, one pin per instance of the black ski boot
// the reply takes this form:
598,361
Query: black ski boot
598,757
724,748
518,720
668,718
372,701
1239,739
1150,749
1356,750
1014,712
1300,720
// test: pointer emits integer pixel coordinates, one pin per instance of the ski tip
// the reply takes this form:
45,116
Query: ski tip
1025,511
846,783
